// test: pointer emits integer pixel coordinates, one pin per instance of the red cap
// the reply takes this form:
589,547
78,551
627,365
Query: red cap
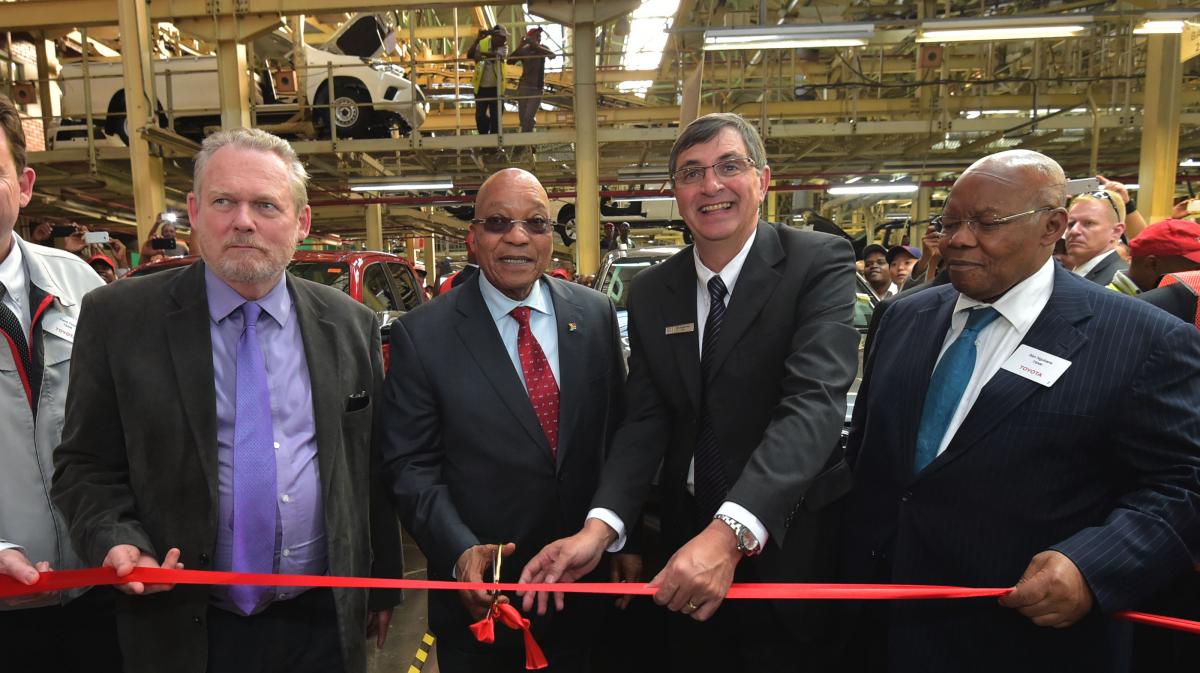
560,273
103,258
1168,238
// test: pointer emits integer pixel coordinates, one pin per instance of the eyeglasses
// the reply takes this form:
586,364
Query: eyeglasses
1104,194
950,225
498,224
690,175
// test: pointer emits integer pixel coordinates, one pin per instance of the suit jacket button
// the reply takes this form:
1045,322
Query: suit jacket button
906,497
196,620
203,559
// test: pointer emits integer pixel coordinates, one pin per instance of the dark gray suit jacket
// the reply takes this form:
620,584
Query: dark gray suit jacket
786,356
1103,273
138,459
466,459
1103,466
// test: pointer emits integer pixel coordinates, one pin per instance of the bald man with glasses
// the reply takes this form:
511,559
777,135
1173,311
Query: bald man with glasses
500,402
1028,456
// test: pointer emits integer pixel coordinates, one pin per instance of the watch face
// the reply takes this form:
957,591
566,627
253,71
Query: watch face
747,540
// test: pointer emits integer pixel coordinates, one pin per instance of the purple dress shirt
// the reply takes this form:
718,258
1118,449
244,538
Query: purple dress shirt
300,546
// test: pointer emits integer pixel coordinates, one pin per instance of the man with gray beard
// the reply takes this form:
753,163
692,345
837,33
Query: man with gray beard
232,457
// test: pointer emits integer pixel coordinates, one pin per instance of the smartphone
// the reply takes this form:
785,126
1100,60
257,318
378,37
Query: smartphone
162,243
94,237
62,230
1082,186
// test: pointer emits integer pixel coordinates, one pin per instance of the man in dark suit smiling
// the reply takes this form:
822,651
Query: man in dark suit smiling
742,353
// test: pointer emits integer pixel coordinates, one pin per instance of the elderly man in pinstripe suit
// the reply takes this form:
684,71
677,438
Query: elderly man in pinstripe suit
1052,444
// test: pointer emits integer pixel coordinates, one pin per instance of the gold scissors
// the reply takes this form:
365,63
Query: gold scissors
496,576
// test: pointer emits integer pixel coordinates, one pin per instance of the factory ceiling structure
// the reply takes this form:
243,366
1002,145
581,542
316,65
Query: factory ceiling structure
894,96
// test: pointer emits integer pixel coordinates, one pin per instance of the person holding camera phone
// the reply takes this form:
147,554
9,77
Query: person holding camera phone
531,56
489,51
163,243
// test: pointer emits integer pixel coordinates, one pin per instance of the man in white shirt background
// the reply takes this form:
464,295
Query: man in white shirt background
40,291
1095,223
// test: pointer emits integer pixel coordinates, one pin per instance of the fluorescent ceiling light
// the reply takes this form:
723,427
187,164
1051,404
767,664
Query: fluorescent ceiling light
1164,22
413,184
1159,27
1189,163
643,173
810,36
1007,28
1133,187
656,197
889,188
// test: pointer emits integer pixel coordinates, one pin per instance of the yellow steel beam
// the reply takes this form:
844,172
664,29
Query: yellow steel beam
228,28
444,121
375,227
31,14
233,84
430,262
147,171
587,153
1160,127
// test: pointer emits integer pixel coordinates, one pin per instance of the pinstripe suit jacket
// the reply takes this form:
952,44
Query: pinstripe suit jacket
1104,466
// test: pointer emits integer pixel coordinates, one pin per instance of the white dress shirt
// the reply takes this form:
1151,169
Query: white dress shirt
1018,308
12,277
729,275
1086,268
541,323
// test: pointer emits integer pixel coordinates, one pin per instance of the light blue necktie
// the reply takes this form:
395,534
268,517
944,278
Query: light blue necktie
253,465
947,385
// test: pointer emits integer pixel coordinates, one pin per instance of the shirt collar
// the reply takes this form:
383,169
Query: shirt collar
1022,304
500,305
1086,268
12,271
731,271
223,300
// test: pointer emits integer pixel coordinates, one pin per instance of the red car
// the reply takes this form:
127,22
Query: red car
382,282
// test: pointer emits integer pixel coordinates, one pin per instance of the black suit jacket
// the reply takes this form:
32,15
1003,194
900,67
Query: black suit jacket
466,458
138,459
1176,299
1104,466
881,308
786,356
1103,273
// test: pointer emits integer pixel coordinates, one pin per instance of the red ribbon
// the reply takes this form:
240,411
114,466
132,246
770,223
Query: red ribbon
61,580
485,632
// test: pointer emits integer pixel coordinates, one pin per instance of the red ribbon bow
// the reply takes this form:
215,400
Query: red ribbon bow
485,632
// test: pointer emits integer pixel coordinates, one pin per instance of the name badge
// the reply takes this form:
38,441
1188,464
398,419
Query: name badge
681,329
62,327
1036,365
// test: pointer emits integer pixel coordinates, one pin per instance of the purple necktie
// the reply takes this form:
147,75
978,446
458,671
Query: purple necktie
253,466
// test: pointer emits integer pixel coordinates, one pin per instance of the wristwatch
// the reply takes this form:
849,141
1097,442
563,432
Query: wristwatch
746,542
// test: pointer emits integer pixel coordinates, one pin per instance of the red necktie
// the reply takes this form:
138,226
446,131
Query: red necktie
539,379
